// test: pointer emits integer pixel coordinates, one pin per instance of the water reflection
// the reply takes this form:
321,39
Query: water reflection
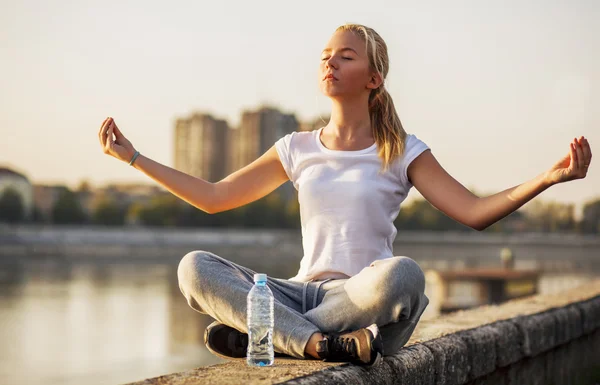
95,324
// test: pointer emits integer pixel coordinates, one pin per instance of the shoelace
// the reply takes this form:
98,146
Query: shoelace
344,346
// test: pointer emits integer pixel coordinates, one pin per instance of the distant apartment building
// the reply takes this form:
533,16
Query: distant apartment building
20,183
257,132
201,146
208,148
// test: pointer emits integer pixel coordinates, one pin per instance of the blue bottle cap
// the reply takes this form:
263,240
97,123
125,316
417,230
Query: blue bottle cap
259,277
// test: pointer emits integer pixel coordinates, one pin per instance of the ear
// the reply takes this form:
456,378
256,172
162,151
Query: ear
375,81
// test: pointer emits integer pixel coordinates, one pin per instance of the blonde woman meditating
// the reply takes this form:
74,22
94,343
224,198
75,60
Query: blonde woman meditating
352,298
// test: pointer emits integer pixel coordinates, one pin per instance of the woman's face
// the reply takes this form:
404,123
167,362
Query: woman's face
345,58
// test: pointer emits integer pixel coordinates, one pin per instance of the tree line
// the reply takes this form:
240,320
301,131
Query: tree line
166,210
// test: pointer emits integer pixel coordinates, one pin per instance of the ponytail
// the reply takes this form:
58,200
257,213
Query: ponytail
387,129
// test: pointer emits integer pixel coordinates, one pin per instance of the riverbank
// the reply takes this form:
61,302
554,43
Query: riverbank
433,249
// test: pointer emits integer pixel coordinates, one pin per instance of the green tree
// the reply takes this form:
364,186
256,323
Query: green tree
191,216
590,222
163,210
67,209
292,213
514,221
550,216
110,213
38,215
267,212
12,209
134,212
421,215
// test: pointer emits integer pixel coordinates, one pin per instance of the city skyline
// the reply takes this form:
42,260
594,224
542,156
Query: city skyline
496,90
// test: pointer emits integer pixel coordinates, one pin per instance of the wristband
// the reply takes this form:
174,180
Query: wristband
134,158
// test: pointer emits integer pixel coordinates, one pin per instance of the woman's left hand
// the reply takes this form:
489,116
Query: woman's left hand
574,165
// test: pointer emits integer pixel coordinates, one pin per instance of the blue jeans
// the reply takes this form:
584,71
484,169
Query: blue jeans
390,292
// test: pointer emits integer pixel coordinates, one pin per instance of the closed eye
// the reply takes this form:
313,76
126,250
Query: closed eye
347,58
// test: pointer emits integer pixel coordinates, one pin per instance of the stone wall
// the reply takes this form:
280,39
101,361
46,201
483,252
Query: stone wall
541,339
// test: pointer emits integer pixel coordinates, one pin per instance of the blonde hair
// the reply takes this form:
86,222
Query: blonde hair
385,122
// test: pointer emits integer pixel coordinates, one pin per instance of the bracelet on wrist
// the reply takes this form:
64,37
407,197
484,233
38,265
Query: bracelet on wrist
134,157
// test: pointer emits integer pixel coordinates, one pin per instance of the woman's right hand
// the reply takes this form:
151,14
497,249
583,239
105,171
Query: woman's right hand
119,147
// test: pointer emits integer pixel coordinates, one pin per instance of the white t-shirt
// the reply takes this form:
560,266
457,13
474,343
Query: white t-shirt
347,210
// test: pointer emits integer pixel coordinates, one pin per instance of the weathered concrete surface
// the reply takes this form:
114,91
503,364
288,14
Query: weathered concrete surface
414,365
570,324
539,332
507,351
237,372
451,364
481,347
590,313
566,364
537,340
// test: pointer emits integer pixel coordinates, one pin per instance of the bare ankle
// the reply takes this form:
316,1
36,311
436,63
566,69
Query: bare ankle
311,346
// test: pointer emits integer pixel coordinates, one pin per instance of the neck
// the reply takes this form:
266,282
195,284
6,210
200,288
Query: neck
350,120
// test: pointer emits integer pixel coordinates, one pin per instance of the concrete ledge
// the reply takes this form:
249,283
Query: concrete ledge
481,347
537,340
590,312
414,365
539,332
451,364
569,322
509,343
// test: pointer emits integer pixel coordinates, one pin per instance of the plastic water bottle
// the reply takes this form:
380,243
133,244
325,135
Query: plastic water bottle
261,319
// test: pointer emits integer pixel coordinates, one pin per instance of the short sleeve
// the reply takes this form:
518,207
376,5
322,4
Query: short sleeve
283,147
413,148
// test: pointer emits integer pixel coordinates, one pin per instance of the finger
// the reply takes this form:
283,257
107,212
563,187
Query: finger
100,131
109,139
587,152
111,133
579,154
102,126
103,132
107,125
573,156
118,132
105,129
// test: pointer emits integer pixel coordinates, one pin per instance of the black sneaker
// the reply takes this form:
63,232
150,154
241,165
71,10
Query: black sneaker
227,342
361,347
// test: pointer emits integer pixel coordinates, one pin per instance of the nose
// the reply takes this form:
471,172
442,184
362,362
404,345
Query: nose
330,63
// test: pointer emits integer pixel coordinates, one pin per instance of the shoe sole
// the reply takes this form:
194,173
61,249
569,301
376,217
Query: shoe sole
206,333
376,344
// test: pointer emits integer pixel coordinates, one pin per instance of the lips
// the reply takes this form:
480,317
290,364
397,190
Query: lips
330,76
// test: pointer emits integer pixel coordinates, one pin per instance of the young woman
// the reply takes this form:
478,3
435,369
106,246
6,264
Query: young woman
352,299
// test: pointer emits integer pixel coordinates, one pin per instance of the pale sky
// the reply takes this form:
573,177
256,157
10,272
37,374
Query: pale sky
497,89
